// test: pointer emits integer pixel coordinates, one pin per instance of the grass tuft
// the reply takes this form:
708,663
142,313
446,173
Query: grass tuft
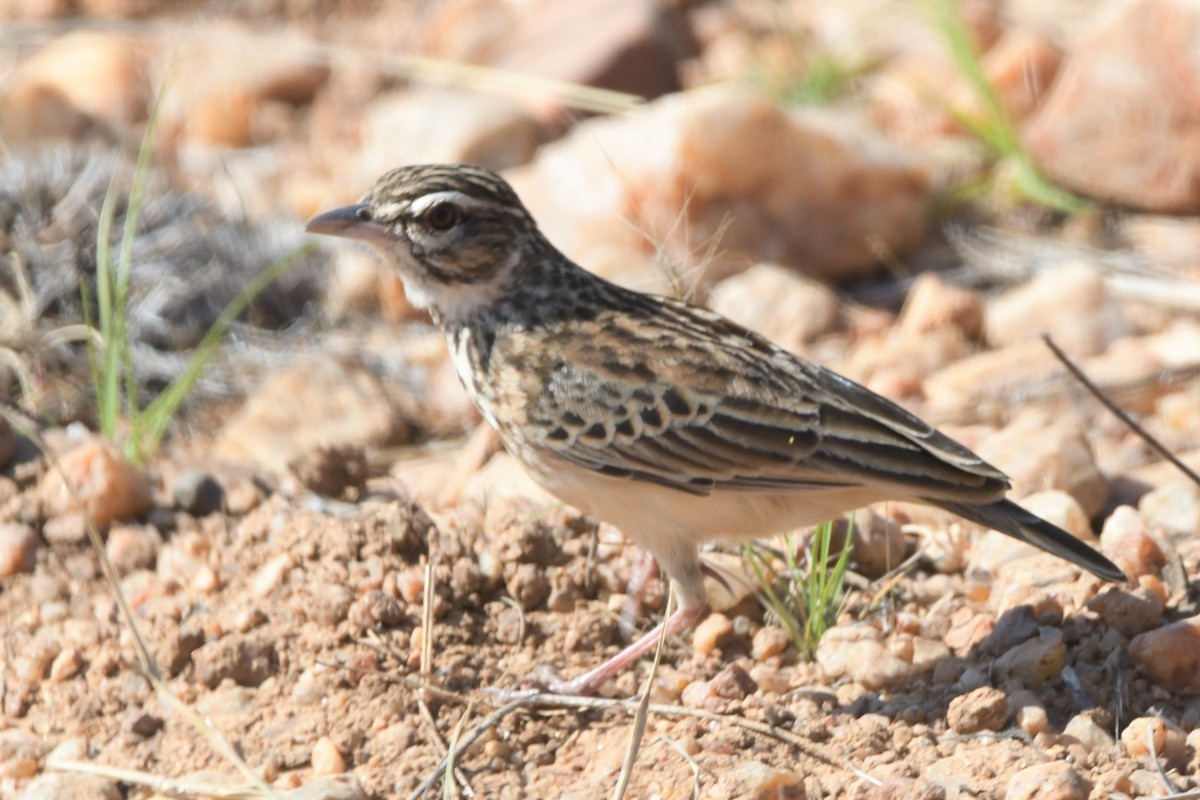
114,374
806,597
992,125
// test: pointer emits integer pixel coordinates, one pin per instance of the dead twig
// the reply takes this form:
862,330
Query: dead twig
1120,414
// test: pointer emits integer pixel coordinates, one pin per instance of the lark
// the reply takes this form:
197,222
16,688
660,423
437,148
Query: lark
667,420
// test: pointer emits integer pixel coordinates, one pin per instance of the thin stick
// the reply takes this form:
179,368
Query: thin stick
1119,412
643,708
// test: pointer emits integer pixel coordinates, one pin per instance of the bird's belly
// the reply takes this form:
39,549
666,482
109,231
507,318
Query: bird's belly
650,514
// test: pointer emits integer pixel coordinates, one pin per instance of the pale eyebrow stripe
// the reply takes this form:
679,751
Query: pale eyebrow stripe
460,199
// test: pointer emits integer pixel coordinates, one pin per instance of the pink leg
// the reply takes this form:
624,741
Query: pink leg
644,568
590,682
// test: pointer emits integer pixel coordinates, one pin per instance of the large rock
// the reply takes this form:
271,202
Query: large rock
311,405
76,84
1170,655
1126,100
446,126
787,308
1072,304
717,179
628,45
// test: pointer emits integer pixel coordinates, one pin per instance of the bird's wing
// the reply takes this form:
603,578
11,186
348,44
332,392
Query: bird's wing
692,401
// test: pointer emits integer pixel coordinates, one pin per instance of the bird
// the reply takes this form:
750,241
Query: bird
663,418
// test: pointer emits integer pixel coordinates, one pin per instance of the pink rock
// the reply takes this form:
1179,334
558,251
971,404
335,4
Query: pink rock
1056,780
94,477
1170,655
724,164
1125,99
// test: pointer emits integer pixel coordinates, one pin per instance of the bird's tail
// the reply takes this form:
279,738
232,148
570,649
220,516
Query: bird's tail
1009,518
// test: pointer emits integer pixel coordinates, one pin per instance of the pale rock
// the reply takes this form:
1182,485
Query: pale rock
1055,780
1071,303
1127,75
270,575
933,304
897,362
856,652
1038,452
984,709
19,544
721,165
1062,510
789,309
709,633
133,547
770,641
76,83
331,787
753,779
988,383
326,759
1034,662
1032,719
928,653
103,483
1156,738
1094,739
1174,506
701,694
1170,656
66,665
69,786
1178,345
234,102
1178,412
626,45
315,403
445,126
1129,612
1125,540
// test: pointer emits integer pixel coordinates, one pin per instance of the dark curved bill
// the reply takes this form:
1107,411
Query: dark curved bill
351,222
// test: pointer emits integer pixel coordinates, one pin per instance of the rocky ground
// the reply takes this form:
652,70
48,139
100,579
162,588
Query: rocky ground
329,565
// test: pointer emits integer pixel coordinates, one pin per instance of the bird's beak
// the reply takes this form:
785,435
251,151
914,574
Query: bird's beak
352,222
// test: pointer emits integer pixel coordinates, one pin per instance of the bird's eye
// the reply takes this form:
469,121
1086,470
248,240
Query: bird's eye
442,217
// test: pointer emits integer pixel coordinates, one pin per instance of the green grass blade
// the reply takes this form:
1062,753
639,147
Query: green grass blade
105,364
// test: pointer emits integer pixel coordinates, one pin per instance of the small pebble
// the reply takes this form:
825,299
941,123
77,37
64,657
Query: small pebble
270,575
133,547
18,548
770,640
1056,779
1094,739
710,632
1130,612
326,760
1032,719
1168,742
66,665
18,768
1170,656
1035,661
984,709
198,493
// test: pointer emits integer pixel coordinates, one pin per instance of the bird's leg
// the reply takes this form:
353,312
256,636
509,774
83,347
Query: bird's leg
687,583
589,683
643,570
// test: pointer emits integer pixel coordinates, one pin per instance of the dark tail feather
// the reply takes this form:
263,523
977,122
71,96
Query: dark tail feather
1008,517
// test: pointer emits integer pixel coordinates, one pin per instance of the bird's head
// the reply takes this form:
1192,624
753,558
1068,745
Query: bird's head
455,233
